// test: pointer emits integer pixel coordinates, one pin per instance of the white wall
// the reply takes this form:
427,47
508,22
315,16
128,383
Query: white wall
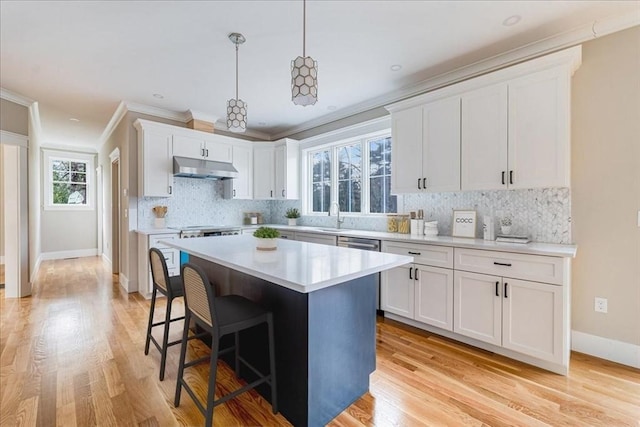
606,189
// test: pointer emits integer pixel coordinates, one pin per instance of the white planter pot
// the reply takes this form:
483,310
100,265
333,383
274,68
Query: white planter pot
506,229
292,221
266,244
159,223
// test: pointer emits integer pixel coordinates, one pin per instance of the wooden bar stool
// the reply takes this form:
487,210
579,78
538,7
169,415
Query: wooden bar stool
171,287
220,316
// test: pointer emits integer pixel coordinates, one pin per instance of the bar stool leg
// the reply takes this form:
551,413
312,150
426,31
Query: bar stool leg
183,354
165,338
151,310
272,363
213,369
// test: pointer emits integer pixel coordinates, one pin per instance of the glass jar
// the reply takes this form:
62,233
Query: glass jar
404,224
392,223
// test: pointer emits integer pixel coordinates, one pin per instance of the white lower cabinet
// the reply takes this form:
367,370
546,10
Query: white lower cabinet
510,303
171,257
322,239
419,291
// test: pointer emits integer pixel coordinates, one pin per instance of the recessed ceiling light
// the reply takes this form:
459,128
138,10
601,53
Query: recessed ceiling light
73,119
332,108
157,95
396,67
512,20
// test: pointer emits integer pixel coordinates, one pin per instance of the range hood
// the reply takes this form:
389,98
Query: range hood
203,169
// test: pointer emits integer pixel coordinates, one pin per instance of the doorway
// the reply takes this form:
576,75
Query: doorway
115,211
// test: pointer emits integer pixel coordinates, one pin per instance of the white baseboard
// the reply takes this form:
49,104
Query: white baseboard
605,348
69,254
107,261
124,282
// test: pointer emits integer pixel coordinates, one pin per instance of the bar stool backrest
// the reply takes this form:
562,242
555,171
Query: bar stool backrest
159,272
198,294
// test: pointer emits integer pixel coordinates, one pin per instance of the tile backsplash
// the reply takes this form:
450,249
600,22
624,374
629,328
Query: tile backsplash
199,202
544,214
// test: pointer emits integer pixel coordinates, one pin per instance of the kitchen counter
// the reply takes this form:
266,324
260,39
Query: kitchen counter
548,249
299,266
150,231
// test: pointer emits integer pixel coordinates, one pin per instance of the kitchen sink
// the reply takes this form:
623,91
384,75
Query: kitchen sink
333,230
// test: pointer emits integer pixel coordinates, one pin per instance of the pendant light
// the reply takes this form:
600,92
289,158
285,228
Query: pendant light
304,72
236,108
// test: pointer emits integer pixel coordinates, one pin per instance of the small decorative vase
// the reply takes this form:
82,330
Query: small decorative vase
266,244
292,221
506,229
159,223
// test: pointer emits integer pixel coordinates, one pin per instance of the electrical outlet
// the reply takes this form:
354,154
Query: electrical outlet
600,305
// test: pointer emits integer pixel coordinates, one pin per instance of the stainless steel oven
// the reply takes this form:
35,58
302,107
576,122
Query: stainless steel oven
207,230
365,245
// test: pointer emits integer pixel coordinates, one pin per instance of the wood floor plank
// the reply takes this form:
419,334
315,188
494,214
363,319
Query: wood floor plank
72,355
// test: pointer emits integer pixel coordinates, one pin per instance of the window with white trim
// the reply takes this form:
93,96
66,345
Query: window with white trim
355,173
68,180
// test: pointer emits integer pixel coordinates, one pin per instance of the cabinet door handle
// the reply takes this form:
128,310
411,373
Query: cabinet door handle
506,264
414,253
424,183
419,188
510,177
506,288
207,150
202,152
503,178
282,193
416,273
497,290
170,189
234,192
271,193
410,271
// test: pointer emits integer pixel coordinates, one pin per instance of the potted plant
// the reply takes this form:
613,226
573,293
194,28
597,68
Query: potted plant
505,225
266,238
292,214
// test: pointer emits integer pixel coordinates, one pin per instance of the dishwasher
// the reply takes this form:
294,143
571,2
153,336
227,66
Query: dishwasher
365,245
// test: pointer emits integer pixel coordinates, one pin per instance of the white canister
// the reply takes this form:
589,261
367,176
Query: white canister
488,228
414,227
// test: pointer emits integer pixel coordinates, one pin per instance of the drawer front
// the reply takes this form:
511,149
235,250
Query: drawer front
172,257
436,256
519,266
156,238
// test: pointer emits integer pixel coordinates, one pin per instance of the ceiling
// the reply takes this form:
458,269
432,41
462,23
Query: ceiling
80,59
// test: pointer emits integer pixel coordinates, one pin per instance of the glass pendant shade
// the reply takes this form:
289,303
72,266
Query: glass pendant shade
236,115
304,81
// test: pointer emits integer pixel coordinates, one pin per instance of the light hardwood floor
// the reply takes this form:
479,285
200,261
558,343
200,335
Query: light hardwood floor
72,355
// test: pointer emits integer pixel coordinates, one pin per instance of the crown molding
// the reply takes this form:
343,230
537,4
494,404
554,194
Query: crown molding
222,125
16,98
358,129
84,149
157,112
524,53
199,115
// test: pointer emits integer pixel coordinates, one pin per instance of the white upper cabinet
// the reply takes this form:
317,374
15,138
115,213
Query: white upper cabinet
505,129
242,186
155,160
426,147
441,145
484,138
276,170
539,130
406,150
201,145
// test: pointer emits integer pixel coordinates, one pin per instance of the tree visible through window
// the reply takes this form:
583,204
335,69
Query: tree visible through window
321,180
380,198
356,174
69,181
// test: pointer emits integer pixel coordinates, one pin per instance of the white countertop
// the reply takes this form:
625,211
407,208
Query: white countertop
150,231
548,249
300,266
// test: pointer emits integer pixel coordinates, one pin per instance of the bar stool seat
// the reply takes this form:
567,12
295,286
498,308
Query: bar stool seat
171,287
219,316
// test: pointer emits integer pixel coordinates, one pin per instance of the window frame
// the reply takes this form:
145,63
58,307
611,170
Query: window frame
52,155
334,147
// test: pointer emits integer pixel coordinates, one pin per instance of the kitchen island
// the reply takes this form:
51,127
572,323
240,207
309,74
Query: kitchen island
324,303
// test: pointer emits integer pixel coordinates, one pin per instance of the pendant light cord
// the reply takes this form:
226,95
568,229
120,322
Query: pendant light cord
304,27
236,68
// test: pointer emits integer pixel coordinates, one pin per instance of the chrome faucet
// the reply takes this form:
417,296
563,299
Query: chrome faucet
338,220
